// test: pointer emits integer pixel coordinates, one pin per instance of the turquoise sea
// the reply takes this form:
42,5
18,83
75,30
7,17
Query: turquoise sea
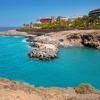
72,67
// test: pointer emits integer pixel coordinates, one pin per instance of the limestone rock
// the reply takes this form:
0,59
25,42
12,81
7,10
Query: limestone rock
46,46
46,40
91,40
44,51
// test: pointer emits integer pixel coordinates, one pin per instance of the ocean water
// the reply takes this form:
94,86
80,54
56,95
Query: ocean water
73,66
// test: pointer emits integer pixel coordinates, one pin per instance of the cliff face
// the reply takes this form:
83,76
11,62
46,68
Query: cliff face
11,90
91,40
84,39
47,46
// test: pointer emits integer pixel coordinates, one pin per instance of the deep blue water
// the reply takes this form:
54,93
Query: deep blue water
74,65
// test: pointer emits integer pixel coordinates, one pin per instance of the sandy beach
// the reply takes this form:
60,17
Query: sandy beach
14,33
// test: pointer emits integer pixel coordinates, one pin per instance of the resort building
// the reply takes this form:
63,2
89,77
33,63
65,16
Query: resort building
47,19
62,18
95,13
51,19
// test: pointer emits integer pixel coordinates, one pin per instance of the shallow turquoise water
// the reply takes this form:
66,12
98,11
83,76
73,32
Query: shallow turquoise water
74,65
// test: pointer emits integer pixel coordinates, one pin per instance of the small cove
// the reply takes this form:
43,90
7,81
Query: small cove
73,66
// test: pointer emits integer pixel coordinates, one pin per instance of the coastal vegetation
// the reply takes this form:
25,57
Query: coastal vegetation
85,22
90,21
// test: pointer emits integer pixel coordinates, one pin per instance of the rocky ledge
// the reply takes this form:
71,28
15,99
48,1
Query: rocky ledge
47,46
44,47
12,90
44,51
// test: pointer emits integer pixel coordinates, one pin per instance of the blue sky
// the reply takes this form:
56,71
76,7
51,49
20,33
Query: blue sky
17,12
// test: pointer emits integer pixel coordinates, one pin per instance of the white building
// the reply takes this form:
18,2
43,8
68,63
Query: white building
62,18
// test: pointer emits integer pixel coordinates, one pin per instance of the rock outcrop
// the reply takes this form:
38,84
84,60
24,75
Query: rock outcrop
84,39
44,51
73,40
44,48
46,40
47,46
91,40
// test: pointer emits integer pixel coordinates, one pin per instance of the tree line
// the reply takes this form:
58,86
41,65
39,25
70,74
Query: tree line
84,22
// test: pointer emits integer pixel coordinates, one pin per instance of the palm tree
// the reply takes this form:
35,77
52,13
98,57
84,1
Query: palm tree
31,24
24,25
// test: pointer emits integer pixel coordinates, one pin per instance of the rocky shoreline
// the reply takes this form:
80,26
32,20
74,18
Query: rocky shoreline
12,90
46,47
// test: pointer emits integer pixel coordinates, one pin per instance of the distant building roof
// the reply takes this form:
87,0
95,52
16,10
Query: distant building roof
96,11
63,18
